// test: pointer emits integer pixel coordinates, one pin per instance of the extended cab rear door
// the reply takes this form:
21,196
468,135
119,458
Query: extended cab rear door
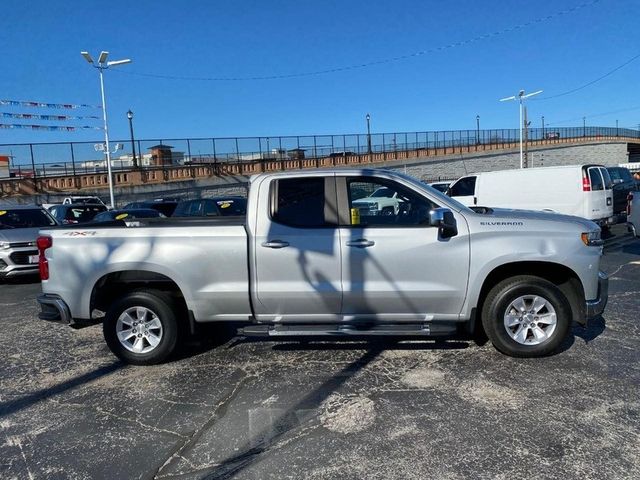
296,250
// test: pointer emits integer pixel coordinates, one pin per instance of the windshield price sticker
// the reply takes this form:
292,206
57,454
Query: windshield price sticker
121,216
3,212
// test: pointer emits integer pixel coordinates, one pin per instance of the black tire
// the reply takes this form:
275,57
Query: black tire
500,298
158,304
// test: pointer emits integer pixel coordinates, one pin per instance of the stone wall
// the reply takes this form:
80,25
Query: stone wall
450,168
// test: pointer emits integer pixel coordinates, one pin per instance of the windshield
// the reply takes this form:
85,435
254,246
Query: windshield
25,218
383,192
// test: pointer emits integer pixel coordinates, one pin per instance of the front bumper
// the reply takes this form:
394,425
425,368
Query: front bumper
596,307
54,309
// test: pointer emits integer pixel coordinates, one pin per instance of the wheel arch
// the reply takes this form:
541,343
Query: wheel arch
113,285
567,281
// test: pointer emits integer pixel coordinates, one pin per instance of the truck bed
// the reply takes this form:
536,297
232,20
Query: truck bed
206,258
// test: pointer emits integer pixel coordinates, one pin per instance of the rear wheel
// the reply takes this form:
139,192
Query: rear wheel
526,316
141,328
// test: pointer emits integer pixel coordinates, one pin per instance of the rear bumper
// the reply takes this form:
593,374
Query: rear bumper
596,307
54,309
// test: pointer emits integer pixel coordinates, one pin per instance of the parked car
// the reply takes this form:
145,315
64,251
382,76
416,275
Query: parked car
623,184
581,190
75,213
19,226
302,262
127,214
211,207
82,200
633,213
165,207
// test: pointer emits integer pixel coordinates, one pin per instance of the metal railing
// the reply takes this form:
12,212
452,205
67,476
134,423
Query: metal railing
76,158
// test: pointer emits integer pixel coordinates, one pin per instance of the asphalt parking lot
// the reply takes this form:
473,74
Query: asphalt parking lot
234,408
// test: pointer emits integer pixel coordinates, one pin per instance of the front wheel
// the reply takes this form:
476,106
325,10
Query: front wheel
526,316
141,328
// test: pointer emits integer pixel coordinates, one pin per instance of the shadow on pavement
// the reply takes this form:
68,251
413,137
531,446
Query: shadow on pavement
13,406
21,280
596,327
250,453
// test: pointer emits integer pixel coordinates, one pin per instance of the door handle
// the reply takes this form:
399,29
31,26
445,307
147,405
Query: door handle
275,244
361,243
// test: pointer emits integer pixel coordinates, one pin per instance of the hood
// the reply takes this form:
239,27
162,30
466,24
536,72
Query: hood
505,215
19,235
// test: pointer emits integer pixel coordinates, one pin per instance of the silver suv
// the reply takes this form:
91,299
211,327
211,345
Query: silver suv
19,227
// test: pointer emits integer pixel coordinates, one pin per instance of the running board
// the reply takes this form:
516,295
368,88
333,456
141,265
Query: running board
396,330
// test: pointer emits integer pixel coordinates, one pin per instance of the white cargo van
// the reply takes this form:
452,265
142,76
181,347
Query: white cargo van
581,190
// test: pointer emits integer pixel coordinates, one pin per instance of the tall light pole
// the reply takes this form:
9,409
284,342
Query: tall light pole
477,129
368,133
543,127
617,132
133,143
584,126
521,97
102,65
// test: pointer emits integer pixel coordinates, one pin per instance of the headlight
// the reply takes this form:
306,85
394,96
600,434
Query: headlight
592,239
4,245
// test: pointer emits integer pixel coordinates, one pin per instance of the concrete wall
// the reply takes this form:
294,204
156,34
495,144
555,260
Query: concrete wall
448,168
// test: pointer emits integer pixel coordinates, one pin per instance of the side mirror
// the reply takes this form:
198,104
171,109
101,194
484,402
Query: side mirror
445,221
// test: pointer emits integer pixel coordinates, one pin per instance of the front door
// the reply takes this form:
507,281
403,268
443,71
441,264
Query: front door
396,266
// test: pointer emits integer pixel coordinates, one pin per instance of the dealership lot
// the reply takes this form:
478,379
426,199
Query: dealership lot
237,408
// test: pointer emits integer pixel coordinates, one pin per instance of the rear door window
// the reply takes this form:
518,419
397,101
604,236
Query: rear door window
596,179
299,202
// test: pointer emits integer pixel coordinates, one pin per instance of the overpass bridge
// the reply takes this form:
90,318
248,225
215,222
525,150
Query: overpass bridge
53,170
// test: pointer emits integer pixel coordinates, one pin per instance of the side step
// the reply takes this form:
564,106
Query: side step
343,330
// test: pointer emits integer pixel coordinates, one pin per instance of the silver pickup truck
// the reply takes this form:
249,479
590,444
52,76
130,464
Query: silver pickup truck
306,261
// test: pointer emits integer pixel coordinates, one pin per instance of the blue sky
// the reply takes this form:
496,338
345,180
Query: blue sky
446,89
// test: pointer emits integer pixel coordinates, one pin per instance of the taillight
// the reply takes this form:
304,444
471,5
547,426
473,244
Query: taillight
43,242
586,183
629,200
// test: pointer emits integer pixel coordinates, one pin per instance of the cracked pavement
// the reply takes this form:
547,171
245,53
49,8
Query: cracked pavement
247,409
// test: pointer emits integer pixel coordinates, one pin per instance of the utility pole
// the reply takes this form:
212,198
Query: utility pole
525,158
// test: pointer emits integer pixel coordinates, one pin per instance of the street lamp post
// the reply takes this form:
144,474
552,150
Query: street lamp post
102,65
521,97
368,133
584,126
543,127
477,129
133,143
617,131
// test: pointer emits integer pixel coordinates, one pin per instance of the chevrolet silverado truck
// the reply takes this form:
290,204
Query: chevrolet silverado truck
305,260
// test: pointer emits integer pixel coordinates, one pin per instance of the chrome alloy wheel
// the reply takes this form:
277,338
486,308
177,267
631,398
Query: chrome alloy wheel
530,319
139,329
